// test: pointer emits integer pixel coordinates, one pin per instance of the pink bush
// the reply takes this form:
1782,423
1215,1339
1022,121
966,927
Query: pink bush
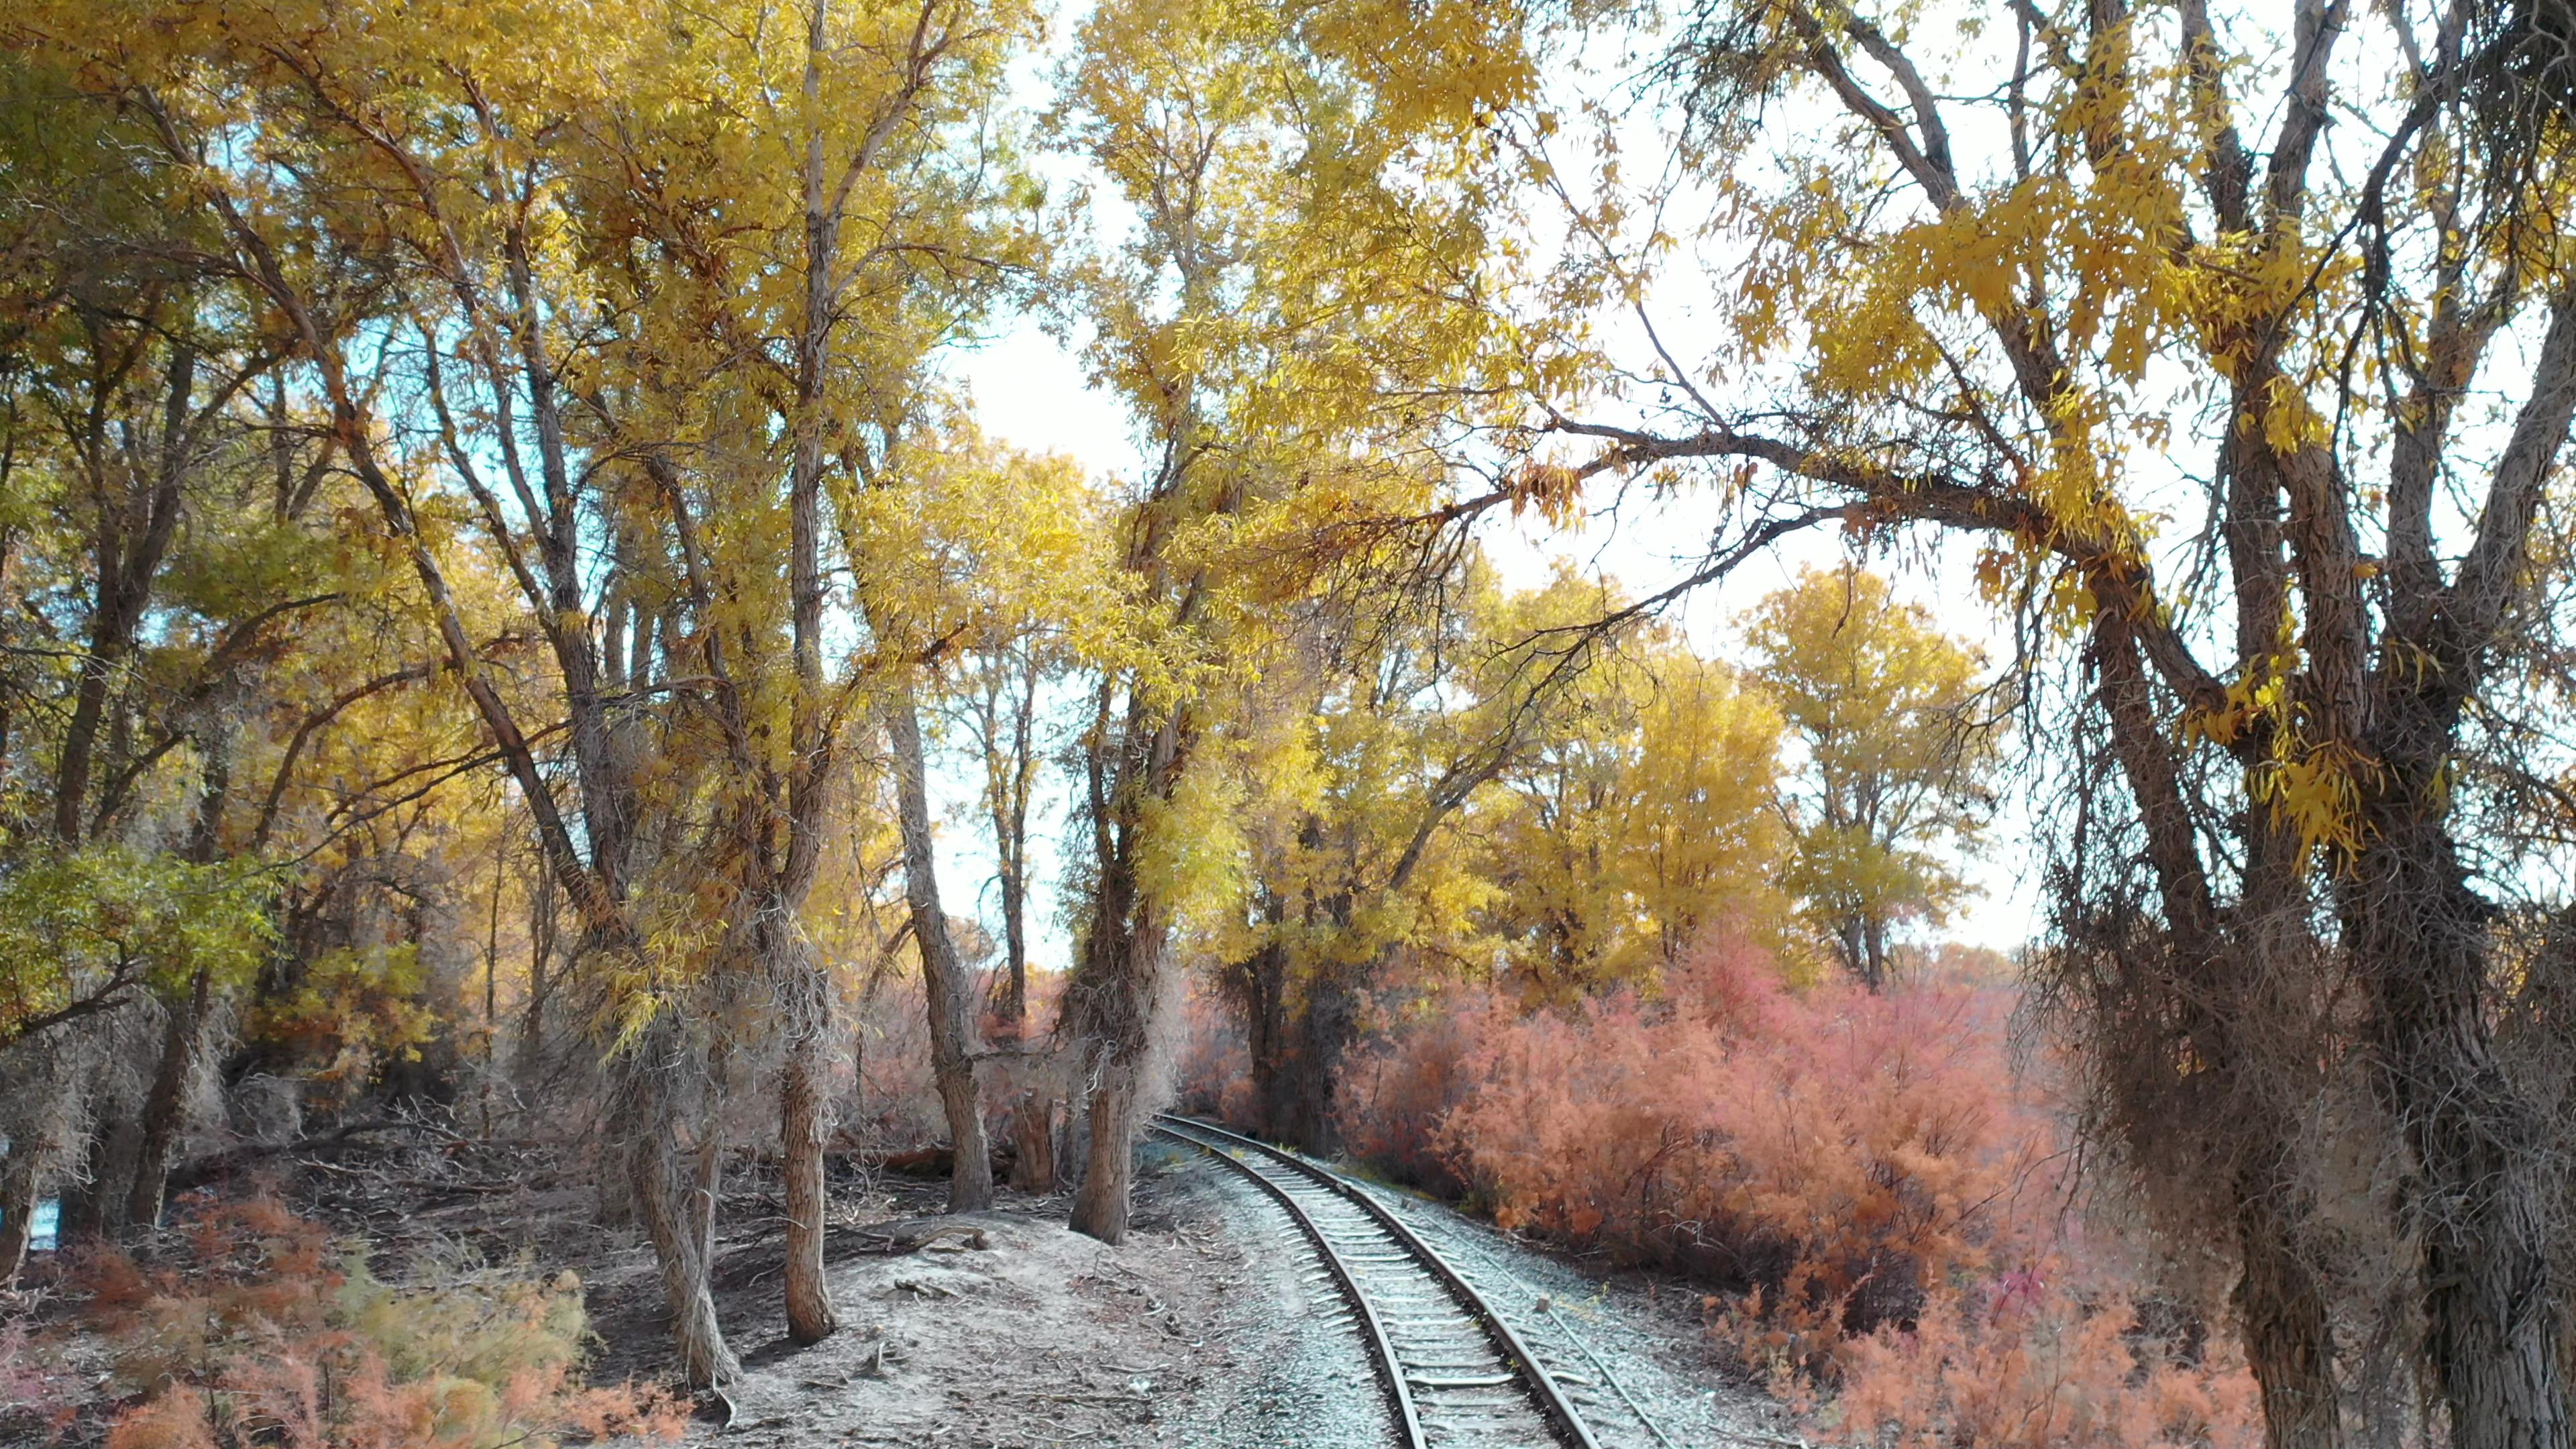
2028,1365
1862,1173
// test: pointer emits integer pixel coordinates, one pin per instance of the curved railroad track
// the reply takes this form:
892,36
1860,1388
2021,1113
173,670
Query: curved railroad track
1454,1373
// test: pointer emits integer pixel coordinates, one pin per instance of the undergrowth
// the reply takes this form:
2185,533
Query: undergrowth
1878,1203
266,1332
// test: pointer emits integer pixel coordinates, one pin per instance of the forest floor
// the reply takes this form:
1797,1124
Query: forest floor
1005,1330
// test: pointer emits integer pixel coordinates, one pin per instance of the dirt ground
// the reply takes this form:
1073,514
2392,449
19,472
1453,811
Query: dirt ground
1040,1337
1209,1327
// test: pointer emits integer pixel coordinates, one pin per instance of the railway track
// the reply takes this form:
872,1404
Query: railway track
1453,1372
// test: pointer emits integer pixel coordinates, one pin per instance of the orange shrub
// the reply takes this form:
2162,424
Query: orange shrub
268,1334
1393,1099
2027,1365
1833,1151
1859,1171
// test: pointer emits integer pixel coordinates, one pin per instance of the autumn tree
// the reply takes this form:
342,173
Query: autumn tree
2032,258
1299,212
174,584
1898,741
859,246
1641,811
491,274
1381,713
954,539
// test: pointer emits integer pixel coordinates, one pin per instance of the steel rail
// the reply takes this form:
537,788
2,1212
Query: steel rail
1542,1385
1390,1368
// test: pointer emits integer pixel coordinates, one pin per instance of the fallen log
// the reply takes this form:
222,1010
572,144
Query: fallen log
912,1235
197,1172
937,1160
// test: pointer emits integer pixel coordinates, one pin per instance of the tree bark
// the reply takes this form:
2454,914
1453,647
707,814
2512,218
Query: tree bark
163,1105
2280,1303
1115,1001
17,1213
810,1318
676,1216
2480,1187
944,982
30,1165
530,1058
2289,1339
1100,1208
1266,1031
802,1131
1033,1141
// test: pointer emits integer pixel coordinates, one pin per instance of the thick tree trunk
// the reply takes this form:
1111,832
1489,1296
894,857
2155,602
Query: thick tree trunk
2289,1340
164,1106
24,1170
945,986
31,1166
1268,1040
2281,1305
2481,1188
80,736
805,1001
1116,1003
802,1130
705,1360
1326,1027
1100,1208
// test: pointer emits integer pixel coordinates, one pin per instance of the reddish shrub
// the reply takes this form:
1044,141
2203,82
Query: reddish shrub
267,1334
1395,1096
897,1104
2027,1365
1833,1151
1857,1169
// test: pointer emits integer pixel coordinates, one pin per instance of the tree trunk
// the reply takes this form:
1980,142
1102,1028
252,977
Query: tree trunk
2481,1179
802,1130
80,736
2289,1341
1326,1027
1266,1029
1115,1005
1100,1208
17,1211
705,1360
164,1106
541,946
89,1206
1852,942
1033,1141
27,1169
677,1215
2280,1303
944,984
